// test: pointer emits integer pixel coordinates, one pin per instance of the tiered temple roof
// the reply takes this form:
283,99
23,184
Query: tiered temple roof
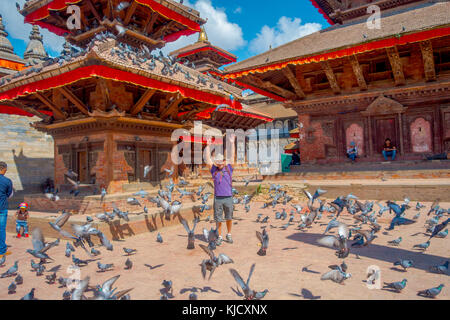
343,11
141,22
283,73
205,56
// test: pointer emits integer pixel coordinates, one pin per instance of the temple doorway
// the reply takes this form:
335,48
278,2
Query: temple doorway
82,166
385,128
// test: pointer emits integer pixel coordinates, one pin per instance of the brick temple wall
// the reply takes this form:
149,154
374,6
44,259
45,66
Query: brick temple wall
28,153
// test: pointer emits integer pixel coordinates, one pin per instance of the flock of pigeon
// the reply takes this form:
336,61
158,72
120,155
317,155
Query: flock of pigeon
360,234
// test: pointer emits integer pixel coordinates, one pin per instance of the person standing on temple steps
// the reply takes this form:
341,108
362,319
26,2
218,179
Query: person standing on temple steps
222,174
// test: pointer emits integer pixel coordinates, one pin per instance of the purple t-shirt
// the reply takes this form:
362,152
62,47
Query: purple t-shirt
222,180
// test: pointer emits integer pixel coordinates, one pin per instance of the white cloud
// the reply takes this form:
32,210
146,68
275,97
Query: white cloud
286,30
238,10
17,29
221,32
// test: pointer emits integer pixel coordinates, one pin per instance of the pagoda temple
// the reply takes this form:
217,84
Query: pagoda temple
353,82
112,104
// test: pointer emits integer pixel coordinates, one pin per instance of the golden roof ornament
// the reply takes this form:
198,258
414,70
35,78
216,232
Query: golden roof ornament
202,37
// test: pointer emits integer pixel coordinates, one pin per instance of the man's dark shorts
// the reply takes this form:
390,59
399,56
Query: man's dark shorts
223,209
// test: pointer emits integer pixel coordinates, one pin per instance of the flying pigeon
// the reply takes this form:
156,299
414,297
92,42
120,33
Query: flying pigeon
249,294
213,262
264,241
191,235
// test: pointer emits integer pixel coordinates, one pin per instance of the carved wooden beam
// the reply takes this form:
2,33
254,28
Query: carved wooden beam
302,81
109,10
357,70
151,22
105,91
27,109
397,66
428,60
161,29
142,101
172,107
293,81
188,115
130,12
72,98
267,85
330,76
94,11
56,111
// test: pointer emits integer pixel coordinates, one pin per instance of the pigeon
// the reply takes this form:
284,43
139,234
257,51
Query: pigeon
105,291
129,251
191,235
128,264
78,292
12,288
2,260
213,262
147,170
104,241
419,206
422,246
18,280
193,296
395,242
121,30
434,207
443,268
141,193
249,294
11,271
405,264
67,295
51,278
159,238
332,224
382,209
133,201
316,195
95,252
336,275
104,266
29,295
438,228
264,240
431,293
79,262
168,286
442,234
396,286
338,242
169,171
343,267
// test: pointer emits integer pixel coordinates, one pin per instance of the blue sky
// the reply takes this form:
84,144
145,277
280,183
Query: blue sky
243,27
